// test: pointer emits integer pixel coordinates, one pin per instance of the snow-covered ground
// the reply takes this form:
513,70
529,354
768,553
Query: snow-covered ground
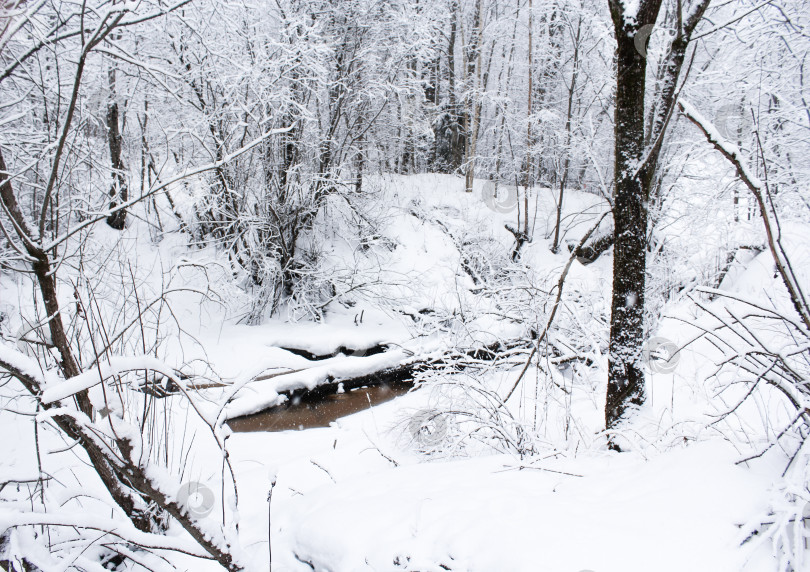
356,510
368,493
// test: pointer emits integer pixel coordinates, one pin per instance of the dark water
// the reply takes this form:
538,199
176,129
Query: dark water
320,412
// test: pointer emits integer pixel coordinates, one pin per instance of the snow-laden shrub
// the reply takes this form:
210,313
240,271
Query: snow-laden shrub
763,381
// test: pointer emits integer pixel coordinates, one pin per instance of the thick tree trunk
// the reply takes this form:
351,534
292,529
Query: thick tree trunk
625,373
634,174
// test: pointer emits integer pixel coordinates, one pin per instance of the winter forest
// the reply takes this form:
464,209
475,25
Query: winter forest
405,285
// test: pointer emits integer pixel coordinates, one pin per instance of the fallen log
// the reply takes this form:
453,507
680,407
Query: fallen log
342,350
589,252
403,373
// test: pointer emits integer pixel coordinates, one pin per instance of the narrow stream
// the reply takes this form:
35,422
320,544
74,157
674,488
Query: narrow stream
319,412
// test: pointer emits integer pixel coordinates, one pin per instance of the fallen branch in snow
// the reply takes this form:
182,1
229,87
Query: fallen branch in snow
343,349
553,313
313,384
120,528
325,381
588,253
521,238
115,367
122,463
730,258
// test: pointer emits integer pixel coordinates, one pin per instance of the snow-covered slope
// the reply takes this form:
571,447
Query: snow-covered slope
528,485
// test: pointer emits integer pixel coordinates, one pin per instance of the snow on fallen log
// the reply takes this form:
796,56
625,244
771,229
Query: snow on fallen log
258,395
394,366
116,366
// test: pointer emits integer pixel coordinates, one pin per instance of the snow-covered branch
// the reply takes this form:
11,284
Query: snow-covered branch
126,461
120,528
159,187
759,190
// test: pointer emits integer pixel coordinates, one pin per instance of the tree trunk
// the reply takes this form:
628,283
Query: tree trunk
118,189
132,502
529,138
634,172
567,162
476,69
625,374
129,486
451,134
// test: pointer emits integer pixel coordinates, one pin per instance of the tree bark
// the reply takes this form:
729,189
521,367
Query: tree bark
128,500
555,247
118,190
472,54
452,125
665,101
634,172
625,374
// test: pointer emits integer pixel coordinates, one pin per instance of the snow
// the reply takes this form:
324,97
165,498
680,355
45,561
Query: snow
717,138
619,513
630,9
118,527
269,256
263,394
363,493
115,366
24,365
560,511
